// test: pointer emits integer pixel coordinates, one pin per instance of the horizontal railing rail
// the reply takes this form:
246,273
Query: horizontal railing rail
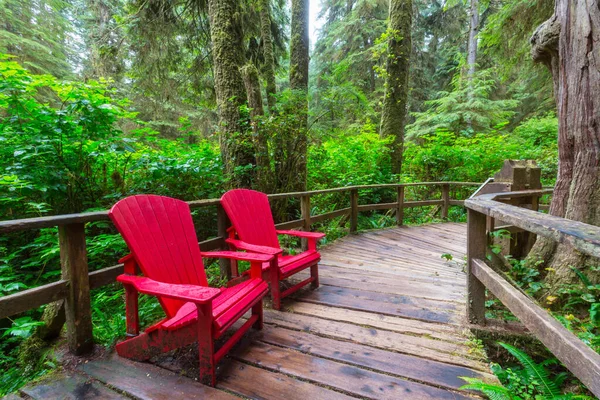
580,359
76,280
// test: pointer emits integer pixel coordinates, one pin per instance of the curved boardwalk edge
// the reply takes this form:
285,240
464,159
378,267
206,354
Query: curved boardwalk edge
387,322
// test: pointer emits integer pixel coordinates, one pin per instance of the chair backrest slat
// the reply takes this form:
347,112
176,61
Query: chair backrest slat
160,234
251,217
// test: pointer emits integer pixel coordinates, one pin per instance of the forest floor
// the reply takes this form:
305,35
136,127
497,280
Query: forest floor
387,322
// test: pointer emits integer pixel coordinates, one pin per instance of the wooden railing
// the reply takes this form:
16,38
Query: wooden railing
76,280
581,360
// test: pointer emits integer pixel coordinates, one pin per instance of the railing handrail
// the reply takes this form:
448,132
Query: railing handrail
16,225
579,358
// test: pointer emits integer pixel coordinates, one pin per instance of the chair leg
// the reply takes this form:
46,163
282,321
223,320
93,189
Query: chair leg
257,310
275,290
314,273
206,345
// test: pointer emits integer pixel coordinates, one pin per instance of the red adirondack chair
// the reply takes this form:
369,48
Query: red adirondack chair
160,234
253,230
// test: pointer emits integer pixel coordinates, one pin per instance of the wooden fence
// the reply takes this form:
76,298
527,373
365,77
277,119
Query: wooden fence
76,280
580,359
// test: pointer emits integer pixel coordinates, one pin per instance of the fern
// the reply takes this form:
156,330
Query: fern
586,281
494,392
547,385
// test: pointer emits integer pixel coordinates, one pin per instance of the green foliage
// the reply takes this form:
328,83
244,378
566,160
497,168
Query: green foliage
443,155
578,308
469,108
530,380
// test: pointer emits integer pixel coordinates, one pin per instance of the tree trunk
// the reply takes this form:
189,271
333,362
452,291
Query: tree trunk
252,84
393,114
472,45
291,146
237,149
267,42
569,44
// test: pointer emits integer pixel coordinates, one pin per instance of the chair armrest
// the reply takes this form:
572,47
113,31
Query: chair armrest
303,234
126,258
195,294
236,255
240,245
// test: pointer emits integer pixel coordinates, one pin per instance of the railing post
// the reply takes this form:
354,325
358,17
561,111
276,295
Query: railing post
476,248
353,210
222,225
305,211
74,266
400,207
446,199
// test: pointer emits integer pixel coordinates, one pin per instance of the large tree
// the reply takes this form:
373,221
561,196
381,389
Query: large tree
268,55
237,148
291,145
393,115
569,44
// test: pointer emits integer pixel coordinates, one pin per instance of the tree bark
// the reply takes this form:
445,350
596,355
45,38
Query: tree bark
237,149
252,84
267,42
395,99
472,45
291,146
569,44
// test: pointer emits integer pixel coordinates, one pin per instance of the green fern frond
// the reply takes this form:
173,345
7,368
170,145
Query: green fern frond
586,281
538,372
494,392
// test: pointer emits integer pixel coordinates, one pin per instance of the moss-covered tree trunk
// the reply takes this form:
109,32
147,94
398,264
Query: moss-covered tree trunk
267,42
237,148
291,146
569,44
255,102
393,114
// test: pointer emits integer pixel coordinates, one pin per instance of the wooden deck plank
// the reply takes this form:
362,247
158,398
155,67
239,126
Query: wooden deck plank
383,285
438,350
404,306
375,267
145,381
450,333
406,366
350,379
258,383
70,386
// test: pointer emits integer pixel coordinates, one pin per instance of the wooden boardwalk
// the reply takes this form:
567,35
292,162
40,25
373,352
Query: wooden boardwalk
386,323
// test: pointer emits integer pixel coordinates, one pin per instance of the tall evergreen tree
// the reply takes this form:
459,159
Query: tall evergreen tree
291,146
393,114
237,148
37,33
267,45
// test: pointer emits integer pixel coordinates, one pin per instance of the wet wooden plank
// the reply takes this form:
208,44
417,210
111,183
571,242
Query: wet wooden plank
70,386
350,379
258,383
450,333
145,381
375,267
412,367
438,350
410,307
382,285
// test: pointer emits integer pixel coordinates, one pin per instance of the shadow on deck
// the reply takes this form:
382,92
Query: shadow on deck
387,322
